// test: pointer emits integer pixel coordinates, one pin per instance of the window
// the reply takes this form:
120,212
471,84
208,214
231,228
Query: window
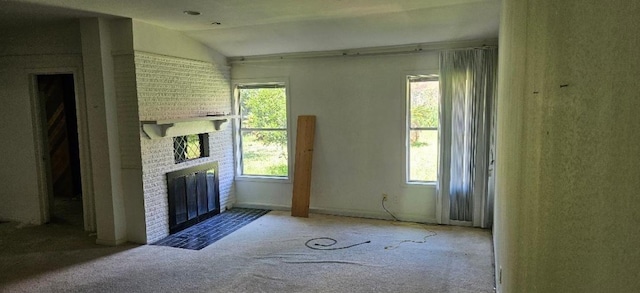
263,134
189,147
422,132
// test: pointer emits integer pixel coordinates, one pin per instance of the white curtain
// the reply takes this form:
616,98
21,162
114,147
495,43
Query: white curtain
467,84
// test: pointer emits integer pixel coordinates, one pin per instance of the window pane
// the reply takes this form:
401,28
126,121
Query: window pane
264,153
193,146
424,103
423,155
188,147
263,108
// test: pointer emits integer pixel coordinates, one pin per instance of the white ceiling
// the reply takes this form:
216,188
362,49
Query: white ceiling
259,27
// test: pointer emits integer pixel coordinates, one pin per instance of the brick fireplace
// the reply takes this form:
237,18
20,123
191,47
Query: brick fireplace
171,88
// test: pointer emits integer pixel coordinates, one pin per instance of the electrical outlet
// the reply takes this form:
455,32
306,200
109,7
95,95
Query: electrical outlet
385,197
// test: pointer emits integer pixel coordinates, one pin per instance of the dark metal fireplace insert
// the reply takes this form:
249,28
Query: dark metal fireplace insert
193,195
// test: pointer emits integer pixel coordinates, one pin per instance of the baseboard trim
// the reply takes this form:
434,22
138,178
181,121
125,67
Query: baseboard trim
344,212
262,206
110,242
461,223
373,215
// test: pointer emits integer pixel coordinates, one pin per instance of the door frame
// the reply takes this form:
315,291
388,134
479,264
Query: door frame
41,150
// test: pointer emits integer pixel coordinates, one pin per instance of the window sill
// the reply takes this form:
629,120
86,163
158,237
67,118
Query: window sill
431,184
264,179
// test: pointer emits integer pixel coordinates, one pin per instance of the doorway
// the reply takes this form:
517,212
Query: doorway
61,153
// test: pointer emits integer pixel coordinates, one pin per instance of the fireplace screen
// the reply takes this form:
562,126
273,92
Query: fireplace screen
193,195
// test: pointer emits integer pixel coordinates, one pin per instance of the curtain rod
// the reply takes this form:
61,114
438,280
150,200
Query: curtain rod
375,51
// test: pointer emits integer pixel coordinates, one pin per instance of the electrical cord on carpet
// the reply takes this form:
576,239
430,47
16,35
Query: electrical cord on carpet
332,242
424,240
328,246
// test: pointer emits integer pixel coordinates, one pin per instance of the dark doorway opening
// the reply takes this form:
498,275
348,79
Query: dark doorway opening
56,94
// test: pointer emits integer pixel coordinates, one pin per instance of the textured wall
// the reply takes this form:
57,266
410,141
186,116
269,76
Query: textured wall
170,87
568,147
511,80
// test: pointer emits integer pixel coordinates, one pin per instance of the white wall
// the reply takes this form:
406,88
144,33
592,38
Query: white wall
59,45
567,208
177,77
128,128
36,38
359,148
104,139
158,40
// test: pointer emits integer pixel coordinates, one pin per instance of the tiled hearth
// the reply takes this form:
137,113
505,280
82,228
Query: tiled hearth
211,230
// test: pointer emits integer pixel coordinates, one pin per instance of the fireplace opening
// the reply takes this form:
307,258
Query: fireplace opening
194,195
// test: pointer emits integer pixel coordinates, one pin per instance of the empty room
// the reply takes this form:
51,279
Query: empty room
319,146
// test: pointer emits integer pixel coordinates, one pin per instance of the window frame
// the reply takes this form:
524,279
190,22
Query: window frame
408,78
237,126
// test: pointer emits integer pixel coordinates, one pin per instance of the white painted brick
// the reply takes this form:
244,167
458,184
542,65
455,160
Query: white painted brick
170,87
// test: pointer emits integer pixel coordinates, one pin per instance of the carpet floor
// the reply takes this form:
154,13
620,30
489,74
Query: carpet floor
275,253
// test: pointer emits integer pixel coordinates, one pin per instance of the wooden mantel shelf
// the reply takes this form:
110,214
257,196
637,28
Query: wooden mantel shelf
184,126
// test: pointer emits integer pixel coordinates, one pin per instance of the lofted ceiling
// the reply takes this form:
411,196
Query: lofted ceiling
261,27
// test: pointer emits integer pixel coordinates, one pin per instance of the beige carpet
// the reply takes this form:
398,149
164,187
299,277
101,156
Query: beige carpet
268,255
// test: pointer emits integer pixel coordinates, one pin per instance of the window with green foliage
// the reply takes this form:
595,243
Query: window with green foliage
189,147
422,131
263,133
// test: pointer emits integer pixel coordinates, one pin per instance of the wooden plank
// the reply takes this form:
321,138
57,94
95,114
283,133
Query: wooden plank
302,170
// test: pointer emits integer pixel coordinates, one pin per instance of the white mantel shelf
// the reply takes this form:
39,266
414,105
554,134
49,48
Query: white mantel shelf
184,126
